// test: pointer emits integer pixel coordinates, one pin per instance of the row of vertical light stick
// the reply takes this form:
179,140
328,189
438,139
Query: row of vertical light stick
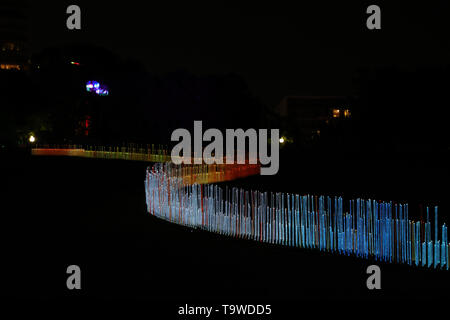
368,229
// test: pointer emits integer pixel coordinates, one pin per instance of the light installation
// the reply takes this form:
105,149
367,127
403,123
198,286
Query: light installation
368,229
199,174
97,88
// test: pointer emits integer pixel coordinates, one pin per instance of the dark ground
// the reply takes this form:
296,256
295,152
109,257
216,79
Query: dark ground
62,211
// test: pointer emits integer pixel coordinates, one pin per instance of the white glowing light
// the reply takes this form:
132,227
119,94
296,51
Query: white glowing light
32,139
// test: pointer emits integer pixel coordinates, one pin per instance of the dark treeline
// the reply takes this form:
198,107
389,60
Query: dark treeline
392,110
142,107
400,108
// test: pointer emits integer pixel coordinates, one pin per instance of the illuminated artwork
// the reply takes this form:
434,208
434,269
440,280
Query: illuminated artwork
363,228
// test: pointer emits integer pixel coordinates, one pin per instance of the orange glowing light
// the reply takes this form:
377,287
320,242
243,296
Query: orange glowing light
336,113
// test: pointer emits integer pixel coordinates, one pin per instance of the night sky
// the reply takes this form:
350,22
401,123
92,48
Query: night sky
280,48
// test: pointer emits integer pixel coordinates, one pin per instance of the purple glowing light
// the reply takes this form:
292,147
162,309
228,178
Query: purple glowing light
94,86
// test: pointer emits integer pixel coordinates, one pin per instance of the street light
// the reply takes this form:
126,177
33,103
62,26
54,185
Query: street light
32,139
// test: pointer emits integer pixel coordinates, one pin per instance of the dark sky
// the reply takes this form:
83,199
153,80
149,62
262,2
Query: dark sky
280,48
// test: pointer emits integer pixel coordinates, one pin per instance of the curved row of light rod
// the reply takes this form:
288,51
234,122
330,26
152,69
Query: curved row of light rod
368,229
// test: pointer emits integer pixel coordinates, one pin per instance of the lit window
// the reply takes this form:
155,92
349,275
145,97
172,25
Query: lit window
347,113
9,46
336,113
10,67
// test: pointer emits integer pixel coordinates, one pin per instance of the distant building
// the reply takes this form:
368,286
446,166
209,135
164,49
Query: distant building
14,51
305,118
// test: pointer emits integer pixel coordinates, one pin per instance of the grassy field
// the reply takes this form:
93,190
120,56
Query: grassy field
61,211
